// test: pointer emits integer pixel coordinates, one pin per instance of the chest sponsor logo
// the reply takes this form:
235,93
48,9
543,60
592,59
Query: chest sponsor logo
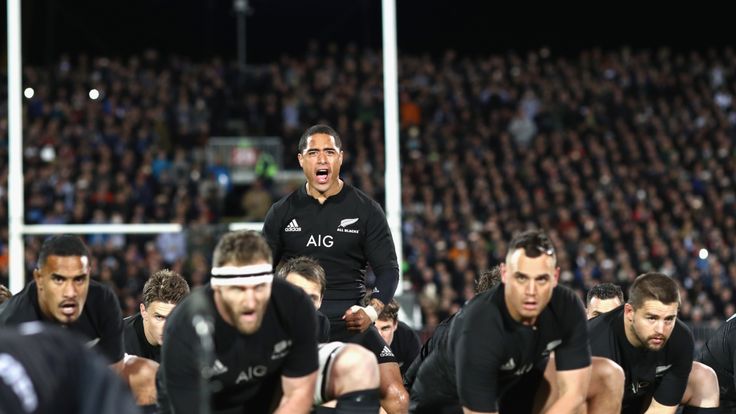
248,374
348,222
320,241
281,349
292,226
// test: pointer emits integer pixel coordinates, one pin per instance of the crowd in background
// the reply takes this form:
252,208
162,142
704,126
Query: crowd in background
625,157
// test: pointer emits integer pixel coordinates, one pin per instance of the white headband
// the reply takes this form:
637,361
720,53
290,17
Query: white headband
242,275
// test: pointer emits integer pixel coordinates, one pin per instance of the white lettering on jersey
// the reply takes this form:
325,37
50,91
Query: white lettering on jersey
217,368
320,241
292,226
386,352
258,371
347,222
15,377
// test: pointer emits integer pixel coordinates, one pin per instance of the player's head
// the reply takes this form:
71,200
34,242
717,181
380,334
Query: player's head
320,156
388,321
529,275
161,293
488,279
602,298
651,312
241,279
62,278
307,274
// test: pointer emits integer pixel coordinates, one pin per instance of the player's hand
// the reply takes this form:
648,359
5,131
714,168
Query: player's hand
357,320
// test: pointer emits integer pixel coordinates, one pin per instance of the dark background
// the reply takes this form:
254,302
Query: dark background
201,29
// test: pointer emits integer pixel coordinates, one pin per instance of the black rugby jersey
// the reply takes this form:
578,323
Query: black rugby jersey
486,351
44,369
345,234
405,346
718,353
100,324
135,339
247,369
662,374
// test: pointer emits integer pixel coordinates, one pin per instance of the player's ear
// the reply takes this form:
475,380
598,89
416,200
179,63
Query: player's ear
502,267
300,157
142,309
556,277
37,275
629,312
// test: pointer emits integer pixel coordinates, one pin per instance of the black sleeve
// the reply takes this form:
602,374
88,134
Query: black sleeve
131,346
272,232
179,370
373,341
381,254
477,360
111,326
303,358
323,328
574,351
680,354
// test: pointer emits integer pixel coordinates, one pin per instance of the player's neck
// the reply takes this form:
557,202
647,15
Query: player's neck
323,196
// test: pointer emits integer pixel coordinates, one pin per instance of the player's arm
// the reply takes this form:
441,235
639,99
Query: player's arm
298,394
394,398
272,233
657,408
573,387
671,388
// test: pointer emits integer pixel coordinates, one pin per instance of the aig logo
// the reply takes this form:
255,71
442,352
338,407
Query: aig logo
320,241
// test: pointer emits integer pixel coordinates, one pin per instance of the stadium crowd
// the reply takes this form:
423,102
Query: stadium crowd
626,157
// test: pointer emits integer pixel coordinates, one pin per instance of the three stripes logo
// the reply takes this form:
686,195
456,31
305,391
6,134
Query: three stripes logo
292,226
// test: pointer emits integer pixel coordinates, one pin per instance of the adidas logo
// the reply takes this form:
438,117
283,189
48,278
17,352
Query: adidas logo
293,226
509,365
218,368
386,352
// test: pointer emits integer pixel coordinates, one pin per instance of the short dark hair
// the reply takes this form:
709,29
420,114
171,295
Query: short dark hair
488,279
307,268
534,242
64,245
390,311
653,286
605,291
165,286
243,247
319,129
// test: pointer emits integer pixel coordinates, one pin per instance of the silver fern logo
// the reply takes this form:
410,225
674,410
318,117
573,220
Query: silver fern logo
347,222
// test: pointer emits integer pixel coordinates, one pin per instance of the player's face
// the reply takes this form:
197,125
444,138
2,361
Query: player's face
387,328
321,162
528,284
312,289
243,306
598,306
650,325
154,319
62,284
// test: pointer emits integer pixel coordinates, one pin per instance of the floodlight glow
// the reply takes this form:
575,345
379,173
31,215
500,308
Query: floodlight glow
703,254
28,93
94,94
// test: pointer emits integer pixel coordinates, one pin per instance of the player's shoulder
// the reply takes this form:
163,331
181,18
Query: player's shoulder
358,196
101,298
20,307
287,295
605,321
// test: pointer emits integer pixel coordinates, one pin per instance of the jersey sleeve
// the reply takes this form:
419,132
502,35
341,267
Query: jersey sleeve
381,254
302,359
477,361
179,375
574,352
131,346
680,353
111,326
272,231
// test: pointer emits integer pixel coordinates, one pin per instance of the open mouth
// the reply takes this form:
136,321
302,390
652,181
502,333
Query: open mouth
322,175
68,308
